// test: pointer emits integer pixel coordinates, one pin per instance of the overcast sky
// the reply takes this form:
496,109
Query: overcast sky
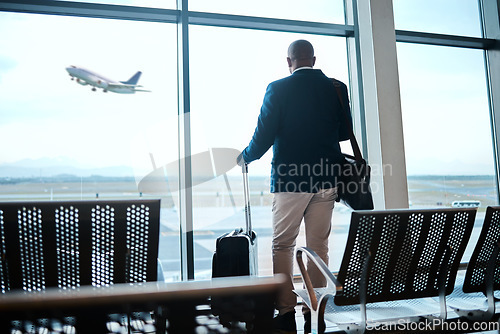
45,114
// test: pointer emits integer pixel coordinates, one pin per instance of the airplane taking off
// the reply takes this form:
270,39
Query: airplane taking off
87,77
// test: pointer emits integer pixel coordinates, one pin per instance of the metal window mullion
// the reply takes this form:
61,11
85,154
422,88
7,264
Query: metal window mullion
91,10
356,75
269,24
494,123
444,40
185,171
490,20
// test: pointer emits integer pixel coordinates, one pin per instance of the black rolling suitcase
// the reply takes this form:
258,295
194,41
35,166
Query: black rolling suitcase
236,251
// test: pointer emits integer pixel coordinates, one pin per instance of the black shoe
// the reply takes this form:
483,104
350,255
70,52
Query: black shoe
285,323
307,324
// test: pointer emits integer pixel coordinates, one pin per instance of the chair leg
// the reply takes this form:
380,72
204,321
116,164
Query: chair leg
489,282
363,287
91,321
160,319
314,322
442,276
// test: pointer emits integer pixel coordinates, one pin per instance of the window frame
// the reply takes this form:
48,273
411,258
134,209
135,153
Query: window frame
183,18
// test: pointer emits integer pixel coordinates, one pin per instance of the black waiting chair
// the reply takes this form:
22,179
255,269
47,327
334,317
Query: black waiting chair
184,305
68,245
473,296
394,262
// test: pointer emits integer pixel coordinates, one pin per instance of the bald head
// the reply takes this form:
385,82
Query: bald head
300,50
300,54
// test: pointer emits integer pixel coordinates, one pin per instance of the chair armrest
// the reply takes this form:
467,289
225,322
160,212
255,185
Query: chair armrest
331,280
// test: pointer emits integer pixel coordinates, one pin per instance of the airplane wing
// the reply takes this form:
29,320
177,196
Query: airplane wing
120,85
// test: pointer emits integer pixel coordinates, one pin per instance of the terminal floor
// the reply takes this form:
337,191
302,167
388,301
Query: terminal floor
332,329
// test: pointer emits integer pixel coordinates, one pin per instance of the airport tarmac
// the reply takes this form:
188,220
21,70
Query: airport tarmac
215,214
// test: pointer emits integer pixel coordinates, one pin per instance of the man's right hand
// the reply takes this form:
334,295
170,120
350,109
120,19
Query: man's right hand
239,160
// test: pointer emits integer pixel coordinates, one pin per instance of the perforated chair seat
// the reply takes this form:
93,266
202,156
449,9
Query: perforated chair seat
381,312
470,305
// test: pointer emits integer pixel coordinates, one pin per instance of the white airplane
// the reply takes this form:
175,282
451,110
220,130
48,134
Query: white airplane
87,77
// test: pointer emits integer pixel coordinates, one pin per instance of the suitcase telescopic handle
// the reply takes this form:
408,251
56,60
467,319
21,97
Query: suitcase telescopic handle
246,192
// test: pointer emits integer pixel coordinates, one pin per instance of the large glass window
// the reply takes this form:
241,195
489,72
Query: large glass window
230,70
447,128
62,140
452,17
328,11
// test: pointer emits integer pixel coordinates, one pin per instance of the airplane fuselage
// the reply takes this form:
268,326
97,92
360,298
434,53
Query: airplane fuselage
87,77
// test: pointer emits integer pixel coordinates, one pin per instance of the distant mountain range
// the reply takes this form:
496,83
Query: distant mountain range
49,167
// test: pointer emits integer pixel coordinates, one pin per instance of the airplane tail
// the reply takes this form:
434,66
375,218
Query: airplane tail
133,80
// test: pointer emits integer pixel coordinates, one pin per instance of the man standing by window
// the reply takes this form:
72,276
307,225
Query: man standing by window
302,118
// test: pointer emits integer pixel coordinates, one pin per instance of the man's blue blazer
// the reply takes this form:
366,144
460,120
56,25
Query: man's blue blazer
302,118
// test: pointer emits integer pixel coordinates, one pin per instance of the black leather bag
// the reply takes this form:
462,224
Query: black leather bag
353,183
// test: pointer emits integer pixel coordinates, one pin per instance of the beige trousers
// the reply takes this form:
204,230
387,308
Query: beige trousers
288,211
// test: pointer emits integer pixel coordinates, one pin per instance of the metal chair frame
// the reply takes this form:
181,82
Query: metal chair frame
394,262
